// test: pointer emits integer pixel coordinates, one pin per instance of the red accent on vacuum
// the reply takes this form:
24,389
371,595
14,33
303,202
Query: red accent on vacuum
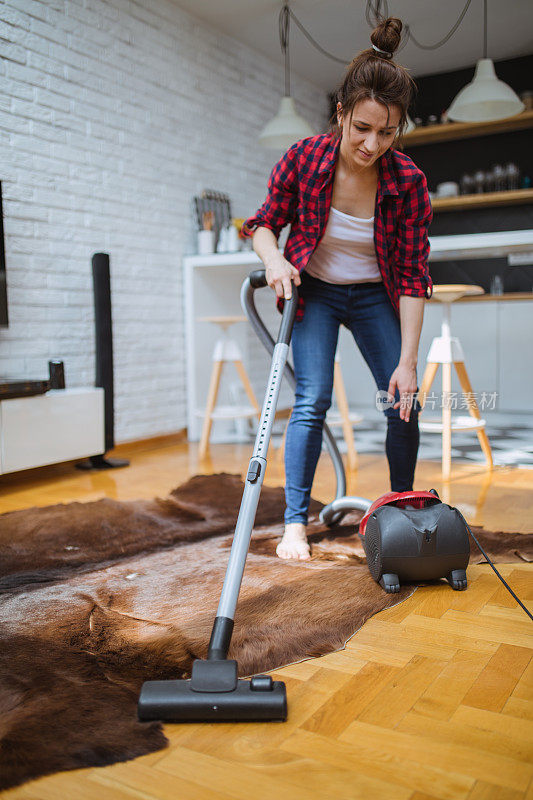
400,499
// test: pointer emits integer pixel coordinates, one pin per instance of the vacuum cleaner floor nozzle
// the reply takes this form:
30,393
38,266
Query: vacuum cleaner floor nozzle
214,694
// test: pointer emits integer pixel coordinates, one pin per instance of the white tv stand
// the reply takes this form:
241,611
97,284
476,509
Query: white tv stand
61,425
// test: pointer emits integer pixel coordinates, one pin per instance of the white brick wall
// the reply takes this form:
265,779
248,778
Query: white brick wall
113,114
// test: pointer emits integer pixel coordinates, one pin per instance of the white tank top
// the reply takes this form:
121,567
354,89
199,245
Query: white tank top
346,252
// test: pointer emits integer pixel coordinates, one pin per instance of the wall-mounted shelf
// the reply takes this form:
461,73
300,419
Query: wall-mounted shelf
466,201
467,130
494,298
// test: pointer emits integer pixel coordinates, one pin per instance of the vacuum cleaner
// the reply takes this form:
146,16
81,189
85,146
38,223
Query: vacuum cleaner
407,536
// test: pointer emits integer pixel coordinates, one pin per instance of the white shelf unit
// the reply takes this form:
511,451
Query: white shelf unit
212,288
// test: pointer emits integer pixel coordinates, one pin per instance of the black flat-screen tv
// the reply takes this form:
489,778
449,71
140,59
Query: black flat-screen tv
3,283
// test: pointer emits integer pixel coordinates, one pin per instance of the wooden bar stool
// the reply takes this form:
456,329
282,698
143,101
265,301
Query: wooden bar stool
342,417
446,350
226,350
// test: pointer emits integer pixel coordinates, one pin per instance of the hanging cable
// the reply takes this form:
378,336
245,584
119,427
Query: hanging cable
284,22
408,35
484,28
310,38
375,12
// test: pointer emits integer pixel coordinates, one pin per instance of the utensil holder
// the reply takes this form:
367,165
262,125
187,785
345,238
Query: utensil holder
206,242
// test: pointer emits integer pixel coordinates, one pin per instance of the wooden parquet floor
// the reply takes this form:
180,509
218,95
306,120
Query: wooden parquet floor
432,698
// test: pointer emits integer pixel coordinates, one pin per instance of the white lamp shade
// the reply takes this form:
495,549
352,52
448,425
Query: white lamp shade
410,125
285,128
486,98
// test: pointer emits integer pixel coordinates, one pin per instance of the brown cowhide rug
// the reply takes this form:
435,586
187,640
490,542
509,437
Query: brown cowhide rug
97,597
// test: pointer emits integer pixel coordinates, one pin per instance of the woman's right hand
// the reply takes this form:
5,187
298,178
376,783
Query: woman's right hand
279,276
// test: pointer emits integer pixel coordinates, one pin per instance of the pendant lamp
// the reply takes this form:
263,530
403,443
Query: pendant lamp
287,126
486,98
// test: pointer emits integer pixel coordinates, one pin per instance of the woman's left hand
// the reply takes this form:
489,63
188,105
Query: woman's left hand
404,379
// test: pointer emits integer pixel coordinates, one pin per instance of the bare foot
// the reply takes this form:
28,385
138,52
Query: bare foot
294,543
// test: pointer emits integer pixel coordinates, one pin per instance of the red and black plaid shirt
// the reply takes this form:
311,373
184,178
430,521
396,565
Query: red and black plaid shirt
299,193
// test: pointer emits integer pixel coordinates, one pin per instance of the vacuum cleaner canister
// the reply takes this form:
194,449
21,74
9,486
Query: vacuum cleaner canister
413,536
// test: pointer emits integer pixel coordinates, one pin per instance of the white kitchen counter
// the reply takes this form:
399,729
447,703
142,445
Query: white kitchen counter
443,248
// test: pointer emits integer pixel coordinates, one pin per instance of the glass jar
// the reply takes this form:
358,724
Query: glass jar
479,181
467,184
512,174
490,181
498,173
527,99
496,284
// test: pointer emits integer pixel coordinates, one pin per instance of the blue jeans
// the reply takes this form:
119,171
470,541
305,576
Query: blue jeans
366,310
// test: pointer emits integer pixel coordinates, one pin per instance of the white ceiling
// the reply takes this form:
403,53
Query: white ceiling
341,28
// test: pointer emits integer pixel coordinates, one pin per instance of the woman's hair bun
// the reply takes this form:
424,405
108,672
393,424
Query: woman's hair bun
376,76
387,35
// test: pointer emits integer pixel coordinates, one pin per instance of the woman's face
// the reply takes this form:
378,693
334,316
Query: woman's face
366,133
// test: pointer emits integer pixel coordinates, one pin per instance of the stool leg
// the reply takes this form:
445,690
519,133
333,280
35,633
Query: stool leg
446,421
243,375
342,403
427,381
474,410
214,384
281,451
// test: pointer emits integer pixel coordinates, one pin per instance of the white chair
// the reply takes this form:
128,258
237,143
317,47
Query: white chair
446,350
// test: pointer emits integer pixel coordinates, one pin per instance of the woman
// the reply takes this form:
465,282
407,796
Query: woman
358,249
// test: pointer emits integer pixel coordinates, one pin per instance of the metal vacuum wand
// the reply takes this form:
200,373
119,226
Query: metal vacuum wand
214,691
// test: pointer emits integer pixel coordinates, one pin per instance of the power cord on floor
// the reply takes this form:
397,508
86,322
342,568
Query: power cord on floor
520,603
